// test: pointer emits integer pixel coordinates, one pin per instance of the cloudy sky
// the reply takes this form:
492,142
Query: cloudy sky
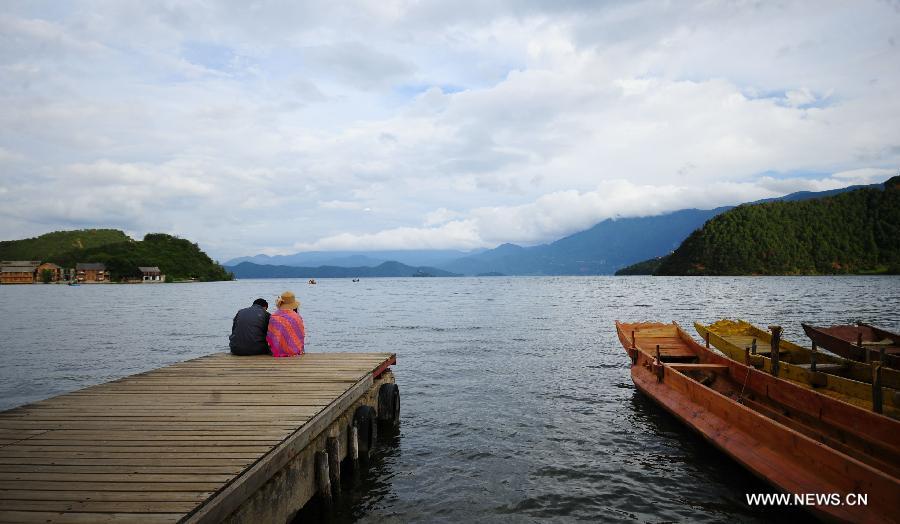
283,126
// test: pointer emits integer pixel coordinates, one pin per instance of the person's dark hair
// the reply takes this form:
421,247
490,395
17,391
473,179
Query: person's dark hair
261,302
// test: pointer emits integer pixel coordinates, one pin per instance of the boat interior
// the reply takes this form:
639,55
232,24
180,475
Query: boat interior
758,391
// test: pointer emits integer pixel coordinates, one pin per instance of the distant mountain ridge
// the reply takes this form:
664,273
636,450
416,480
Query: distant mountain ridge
386,269
852,232
414,257
603,249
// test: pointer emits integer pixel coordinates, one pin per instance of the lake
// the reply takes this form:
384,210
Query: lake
517,402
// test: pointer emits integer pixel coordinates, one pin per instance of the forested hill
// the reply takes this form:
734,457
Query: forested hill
177,258
854,232
50,245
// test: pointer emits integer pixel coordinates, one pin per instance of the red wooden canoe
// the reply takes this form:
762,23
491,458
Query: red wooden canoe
854,342
796,439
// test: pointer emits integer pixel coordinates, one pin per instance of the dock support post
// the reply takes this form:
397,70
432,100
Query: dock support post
323,478
747,356
333,446
812,357
633,340
753,347
353,450
776,342
706,339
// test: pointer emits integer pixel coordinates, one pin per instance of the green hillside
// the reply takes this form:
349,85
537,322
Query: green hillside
50,245
854,232
644,267
177,258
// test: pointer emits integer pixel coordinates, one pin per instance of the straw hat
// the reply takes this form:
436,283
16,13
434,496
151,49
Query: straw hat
287,300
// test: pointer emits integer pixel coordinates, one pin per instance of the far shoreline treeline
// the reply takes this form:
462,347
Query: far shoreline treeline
179,259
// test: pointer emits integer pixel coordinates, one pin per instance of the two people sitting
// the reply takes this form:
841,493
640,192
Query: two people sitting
255,332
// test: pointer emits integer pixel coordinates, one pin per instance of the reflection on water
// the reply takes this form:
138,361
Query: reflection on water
517,400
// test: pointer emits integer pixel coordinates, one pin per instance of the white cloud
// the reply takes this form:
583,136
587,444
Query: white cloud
266,127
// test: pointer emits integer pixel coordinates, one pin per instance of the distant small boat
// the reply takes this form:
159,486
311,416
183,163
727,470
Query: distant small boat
797,439
312,281
74,284
834,376
356,280
862,342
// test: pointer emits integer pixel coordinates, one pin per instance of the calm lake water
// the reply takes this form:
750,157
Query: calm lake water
517,402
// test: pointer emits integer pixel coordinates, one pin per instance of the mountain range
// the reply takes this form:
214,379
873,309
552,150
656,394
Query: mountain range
385,269
600,250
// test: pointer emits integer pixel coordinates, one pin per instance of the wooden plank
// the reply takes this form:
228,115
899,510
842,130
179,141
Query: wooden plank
230,498
13,449
27,517
183,460
200,435
109,486
196,443
166,469
125,478
697,367
111,496
102,506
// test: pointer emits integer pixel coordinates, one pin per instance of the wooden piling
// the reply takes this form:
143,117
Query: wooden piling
323,478
333,446
353,450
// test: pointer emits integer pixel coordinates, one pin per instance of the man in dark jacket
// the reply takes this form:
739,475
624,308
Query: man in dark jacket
248,331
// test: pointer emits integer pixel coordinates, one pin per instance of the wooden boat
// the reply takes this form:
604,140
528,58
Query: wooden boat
834,376
796,439
862,342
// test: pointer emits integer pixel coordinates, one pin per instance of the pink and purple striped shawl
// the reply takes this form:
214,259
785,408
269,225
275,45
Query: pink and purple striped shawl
286,333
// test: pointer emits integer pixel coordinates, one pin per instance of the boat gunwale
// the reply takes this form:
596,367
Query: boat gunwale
846,348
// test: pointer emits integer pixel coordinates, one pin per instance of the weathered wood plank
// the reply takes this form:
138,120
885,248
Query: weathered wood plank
27,517
110,496
158,445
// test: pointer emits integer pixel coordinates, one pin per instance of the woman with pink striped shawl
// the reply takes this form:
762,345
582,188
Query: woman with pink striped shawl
286,331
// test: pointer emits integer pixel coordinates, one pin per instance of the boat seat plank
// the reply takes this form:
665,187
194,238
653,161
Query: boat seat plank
824,368
698,367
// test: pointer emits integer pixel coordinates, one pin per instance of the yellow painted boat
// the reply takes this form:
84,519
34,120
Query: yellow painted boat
834,376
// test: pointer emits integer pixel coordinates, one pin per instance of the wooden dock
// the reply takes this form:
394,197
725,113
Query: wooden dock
218,438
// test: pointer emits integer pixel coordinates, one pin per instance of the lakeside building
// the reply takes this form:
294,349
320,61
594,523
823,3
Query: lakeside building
18,271
151,274
32,271
91,272
56,272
